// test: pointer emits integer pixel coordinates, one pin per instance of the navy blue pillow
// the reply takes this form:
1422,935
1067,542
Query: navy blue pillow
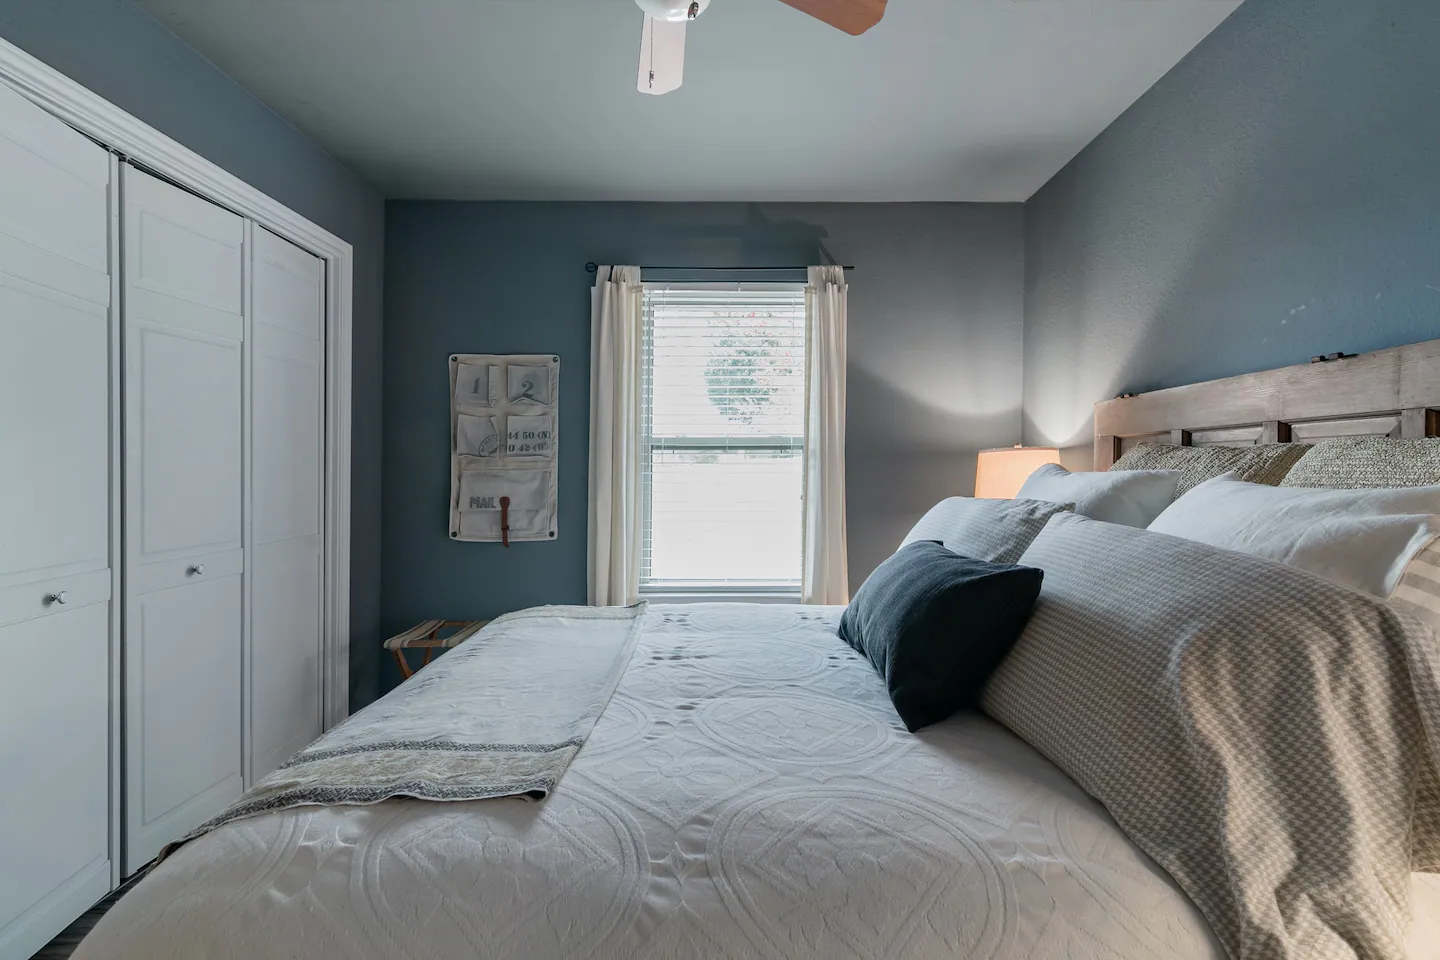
936,625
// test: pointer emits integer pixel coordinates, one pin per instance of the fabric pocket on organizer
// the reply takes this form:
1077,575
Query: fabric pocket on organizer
528,384
476,436
477,384
529,510
530,437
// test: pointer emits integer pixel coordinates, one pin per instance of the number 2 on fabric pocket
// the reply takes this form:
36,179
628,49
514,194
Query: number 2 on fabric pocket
528,384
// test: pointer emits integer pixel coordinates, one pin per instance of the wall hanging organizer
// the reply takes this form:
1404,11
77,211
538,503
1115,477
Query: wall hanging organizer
504,434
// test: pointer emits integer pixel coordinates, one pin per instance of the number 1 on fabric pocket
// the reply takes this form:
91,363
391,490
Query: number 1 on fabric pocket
477,384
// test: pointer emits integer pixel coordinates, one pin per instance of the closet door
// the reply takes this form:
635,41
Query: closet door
183,328
55,524
287,371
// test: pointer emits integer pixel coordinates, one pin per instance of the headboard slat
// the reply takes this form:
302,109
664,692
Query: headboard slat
1394,392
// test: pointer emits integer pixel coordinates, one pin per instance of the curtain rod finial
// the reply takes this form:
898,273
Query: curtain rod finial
591,267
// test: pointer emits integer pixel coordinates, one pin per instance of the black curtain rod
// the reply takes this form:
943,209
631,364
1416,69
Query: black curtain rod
592,266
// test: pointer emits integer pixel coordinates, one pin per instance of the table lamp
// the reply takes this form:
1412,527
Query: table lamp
999,473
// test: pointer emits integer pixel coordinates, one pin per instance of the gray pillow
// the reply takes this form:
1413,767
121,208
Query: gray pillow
1355,463
993,530
1262,463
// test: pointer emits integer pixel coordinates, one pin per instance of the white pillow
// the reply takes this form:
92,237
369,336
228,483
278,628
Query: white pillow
1361,538
1129,497
997,531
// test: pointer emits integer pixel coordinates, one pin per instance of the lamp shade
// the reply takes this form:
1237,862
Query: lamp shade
1000,473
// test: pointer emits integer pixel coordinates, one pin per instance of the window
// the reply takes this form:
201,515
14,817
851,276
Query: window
723,439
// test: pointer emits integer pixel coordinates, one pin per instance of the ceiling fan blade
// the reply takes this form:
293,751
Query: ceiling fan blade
662,56
852,16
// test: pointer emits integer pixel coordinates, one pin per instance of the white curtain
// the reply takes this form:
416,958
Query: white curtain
616,339
825,579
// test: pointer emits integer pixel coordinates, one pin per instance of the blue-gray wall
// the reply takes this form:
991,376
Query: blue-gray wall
934,372
1275,196
118,51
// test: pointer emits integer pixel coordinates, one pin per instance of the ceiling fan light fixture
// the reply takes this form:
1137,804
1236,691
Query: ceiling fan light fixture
674,11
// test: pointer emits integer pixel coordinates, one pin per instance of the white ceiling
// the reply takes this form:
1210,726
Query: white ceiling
980,100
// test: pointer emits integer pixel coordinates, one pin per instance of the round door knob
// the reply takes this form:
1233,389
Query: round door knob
59,597
198,569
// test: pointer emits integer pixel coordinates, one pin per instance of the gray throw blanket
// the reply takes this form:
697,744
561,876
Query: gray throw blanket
501,715
1267,736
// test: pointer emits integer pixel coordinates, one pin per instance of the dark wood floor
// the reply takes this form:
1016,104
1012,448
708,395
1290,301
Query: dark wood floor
68,939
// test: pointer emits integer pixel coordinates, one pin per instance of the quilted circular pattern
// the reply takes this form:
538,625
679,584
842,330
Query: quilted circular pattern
624,724
583,855
796,729
905,868
740,619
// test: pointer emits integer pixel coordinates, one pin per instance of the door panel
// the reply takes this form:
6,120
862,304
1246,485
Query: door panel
287,358
55,525
182,649
54,195
184,450
46,598
289,441
55,432
192,568
291,296
179,246
183,315
185,440
285,651
55,751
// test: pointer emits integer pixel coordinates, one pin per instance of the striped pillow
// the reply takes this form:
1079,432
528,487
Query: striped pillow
997,531
1418,592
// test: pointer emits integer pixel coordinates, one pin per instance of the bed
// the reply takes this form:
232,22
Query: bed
746,791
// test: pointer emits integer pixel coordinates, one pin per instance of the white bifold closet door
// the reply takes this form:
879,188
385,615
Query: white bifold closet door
55,525
287,390
183,283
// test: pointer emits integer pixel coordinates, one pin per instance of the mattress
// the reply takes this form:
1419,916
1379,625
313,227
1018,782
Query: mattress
748,792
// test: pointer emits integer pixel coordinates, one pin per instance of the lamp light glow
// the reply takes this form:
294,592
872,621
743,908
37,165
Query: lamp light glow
1000,473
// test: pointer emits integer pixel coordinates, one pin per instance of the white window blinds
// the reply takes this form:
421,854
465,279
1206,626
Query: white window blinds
723,438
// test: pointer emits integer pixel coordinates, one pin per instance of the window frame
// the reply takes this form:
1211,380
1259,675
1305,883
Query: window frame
707,591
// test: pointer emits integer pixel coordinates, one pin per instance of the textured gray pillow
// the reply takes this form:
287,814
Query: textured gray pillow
1262,463
993,530
1261,732
1355,463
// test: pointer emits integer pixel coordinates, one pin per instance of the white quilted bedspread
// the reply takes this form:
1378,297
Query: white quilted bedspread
749,792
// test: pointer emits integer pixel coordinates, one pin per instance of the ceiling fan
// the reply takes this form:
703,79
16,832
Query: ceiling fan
662,40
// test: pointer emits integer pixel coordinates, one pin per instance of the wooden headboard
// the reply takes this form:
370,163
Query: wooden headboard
1393,392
